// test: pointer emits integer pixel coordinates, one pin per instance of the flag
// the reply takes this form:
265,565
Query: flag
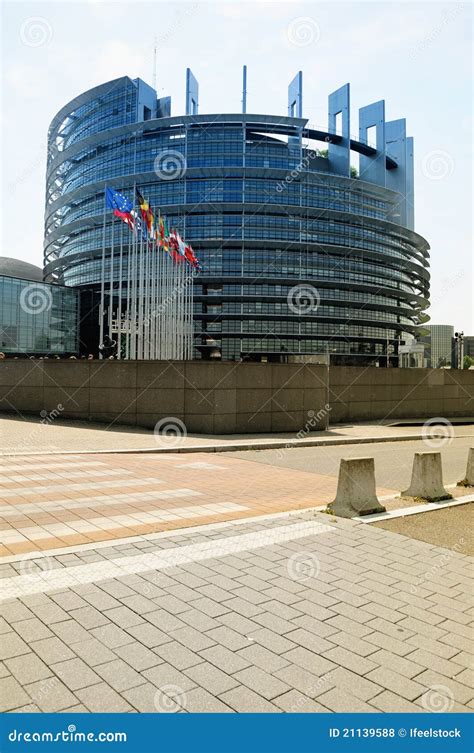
181,244
190,256
143,204
148,216
174,247
164,234
150,221
121,206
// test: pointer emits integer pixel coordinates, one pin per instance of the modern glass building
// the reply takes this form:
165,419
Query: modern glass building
301,253
36,318
440,345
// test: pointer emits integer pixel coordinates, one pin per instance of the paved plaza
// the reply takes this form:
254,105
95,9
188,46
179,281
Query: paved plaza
296,613
213,581
52,501
28,434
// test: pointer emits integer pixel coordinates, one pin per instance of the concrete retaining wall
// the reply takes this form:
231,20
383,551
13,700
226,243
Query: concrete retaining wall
219,398
226,398
358,394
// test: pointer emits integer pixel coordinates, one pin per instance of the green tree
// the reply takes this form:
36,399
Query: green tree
324,153
467,362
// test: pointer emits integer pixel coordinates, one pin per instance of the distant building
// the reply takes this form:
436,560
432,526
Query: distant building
411,355
36,318
469,346
439,345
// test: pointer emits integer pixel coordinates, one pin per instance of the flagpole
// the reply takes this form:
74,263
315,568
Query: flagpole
146,308
135,296
119,315
133,291
154,260
140,299
111,288
133,313
128,317
102,279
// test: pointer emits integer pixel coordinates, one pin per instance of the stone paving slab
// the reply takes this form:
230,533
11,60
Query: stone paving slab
114,496
275,633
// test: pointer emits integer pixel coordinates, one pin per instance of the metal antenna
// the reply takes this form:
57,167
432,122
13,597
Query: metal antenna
244,89
154,63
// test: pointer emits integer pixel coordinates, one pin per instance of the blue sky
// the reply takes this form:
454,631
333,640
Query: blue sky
415,55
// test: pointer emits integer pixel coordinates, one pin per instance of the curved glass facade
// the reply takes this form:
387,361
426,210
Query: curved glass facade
297,259
37,318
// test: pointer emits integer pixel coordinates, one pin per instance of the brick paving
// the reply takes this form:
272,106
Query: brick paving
48,502
291,613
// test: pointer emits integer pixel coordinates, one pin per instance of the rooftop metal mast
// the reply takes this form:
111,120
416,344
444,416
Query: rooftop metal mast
154,63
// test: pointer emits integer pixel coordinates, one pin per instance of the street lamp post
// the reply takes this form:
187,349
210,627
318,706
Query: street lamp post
459,337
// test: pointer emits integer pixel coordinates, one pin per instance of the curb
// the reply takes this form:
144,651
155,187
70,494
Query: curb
264,445
402,512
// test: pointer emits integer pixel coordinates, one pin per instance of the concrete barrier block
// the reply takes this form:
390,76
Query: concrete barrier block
468,480
427,478
356,493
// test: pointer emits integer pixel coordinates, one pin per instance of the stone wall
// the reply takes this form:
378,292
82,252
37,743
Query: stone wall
219,398
227,398
365,394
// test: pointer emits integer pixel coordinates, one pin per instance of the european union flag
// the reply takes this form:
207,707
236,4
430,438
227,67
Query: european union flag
116,200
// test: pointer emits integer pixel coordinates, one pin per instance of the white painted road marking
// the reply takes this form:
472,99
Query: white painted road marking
68,577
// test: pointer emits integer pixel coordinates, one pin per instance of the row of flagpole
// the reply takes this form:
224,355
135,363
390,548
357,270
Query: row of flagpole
154,320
